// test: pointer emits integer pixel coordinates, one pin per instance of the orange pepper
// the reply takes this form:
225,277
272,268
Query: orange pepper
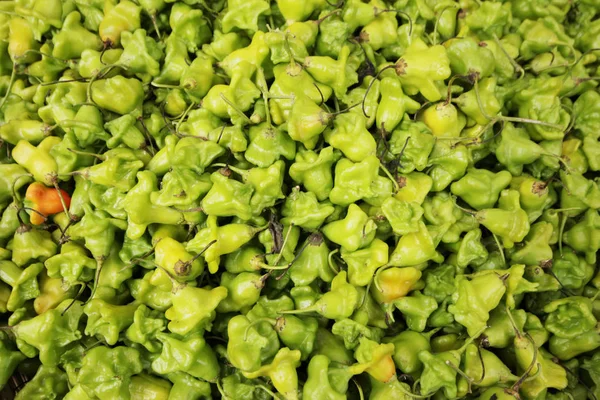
45,201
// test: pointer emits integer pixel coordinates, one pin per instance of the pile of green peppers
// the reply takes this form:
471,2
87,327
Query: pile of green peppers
296,199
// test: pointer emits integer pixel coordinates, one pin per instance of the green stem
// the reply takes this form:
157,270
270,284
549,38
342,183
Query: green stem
13,77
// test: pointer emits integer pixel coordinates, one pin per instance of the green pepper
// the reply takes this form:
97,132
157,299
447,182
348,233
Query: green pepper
51,332
474,299
48,381
321,382
312,263
250,344
194,309
119,18
356,230
146,324
107,373
190,354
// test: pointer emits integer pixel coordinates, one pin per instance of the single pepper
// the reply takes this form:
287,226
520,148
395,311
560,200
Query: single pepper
47,201
124,16
356,230
51,332
146,324
353,180
107,321
474,299
394,283
416,309
340,302
23,282
31,244
72,264
106,373
321,382
193,309
250,345
190,354
48,381
363,263
282,372
228,238
312,263
444,120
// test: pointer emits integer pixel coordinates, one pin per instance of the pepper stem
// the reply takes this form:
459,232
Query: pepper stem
376,77
435,27
235,108
13,76
512,61
331,262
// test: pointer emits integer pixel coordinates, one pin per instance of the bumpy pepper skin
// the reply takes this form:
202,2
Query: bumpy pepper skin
190,354
52,331
107,372
193,309
356,230
474,299
118,94
48,381
250,345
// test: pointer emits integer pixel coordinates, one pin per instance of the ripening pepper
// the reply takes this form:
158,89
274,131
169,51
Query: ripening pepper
124,16
375,359
37,160
394,283
190,354
282,372
444,120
